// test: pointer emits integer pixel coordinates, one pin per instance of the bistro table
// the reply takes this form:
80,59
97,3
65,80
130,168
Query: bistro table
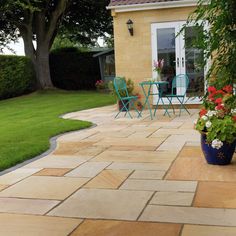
149,84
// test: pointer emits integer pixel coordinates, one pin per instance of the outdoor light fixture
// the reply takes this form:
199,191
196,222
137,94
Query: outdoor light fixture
130,27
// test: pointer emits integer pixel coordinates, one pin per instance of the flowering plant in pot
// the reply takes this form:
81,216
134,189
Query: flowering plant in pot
158,66
217,124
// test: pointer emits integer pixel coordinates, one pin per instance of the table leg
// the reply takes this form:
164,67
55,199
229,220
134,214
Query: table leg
146,100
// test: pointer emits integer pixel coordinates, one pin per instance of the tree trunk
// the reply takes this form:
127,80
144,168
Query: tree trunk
42,68
40,60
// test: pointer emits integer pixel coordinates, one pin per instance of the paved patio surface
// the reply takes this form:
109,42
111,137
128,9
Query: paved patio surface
124,177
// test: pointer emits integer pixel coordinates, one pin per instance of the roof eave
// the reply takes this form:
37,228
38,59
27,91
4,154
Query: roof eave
153,6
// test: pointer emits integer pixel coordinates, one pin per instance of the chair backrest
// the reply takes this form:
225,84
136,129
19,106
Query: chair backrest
120,87
180,83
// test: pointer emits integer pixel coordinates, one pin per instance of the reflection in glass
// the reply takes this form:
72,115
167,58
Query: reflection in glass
166,50
193,60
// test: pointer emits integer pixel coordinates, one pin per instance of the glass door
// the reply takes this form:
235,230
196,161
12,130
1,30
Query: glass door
180,57
192,59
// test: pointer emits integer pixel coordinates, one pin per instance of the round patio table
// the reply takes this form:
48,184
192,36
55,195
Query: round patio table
149,85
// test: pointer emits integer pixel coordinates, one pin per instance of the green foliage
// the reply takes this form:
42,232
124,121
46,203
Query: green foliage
17,76
218,118
87,20
218,42
28,122
129,84
74,70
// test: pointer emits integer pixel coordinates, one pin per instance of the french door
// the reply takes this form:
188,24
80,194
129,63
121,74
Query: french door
180,57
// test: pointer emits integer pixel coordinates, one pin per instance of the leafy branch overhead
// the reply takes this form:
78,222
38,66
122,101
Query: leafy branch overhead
218,40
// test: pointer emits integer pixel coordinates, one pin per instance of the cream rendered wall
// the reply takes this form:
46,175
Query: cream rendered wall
133,54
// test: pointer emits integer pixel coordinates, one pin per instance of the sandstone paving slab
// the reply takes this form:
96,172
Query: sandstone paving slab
159,185
191,151
167,124
110,179
198,169
201,230
26,206
136,156
125,228
165,131
69,148
150,174
91,151
103,204
190,215
119,134
142,127
132,148
17,175
52,172
131,141
139,166
44,187
216,194
88,169
141,134
57,162
193,143
76,136
173,198
28,225
176,142
3,187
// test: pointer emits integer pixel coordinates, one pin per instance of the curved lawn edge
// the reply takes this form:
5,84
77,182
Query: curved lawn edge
52,147
29,123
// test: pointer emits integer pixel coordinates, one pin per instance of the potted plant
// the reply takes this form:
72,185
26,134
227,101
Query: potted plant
217,125
130,89
101,86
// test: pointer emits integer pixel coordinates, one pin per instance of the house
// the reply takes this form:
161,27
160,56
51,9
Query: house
152,34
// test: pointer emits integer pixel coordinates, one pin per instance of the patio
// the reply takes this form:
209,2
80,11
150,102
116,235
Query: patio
124,176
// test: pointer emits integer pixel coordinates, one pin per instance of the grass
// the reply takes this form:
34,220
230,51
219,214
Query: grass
28,122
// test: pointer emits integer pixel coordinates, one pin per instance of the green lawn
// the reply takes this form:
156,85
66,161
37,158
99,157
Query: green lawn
28,122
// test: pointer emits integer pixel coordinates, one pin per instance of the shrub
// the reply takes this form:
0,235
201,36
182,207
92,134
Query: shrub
74,70
17,76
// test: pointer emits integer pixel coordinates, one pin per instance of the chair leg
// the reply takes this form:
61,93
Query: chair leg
172,106
182,106
132,105
156,106
124,108
166,108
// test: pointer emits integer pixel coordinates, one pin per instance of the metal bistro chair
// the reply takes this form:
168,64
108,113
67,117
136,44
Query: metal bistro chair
180,83
123,95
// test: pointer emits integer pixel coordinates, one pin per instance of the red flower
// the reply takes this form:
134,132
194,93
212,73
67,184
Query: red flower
228,89
234,118
220,92
218,101
219,107
211,89
202,112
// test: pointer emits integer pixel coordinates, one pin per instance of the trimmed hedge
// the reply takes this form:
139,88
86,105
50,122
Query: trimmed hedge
74,70
17,76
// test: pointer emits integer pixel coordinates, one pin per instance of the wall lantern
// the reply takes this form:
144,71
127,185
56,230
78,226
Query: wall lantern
130,27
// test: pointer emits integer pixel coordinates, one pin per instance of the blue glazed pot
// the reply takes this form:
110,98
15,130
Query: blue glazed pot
222,156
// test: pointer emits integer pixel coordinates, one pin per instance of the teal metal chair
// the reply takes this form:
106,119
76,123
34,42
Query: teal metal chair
180,83
123,96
